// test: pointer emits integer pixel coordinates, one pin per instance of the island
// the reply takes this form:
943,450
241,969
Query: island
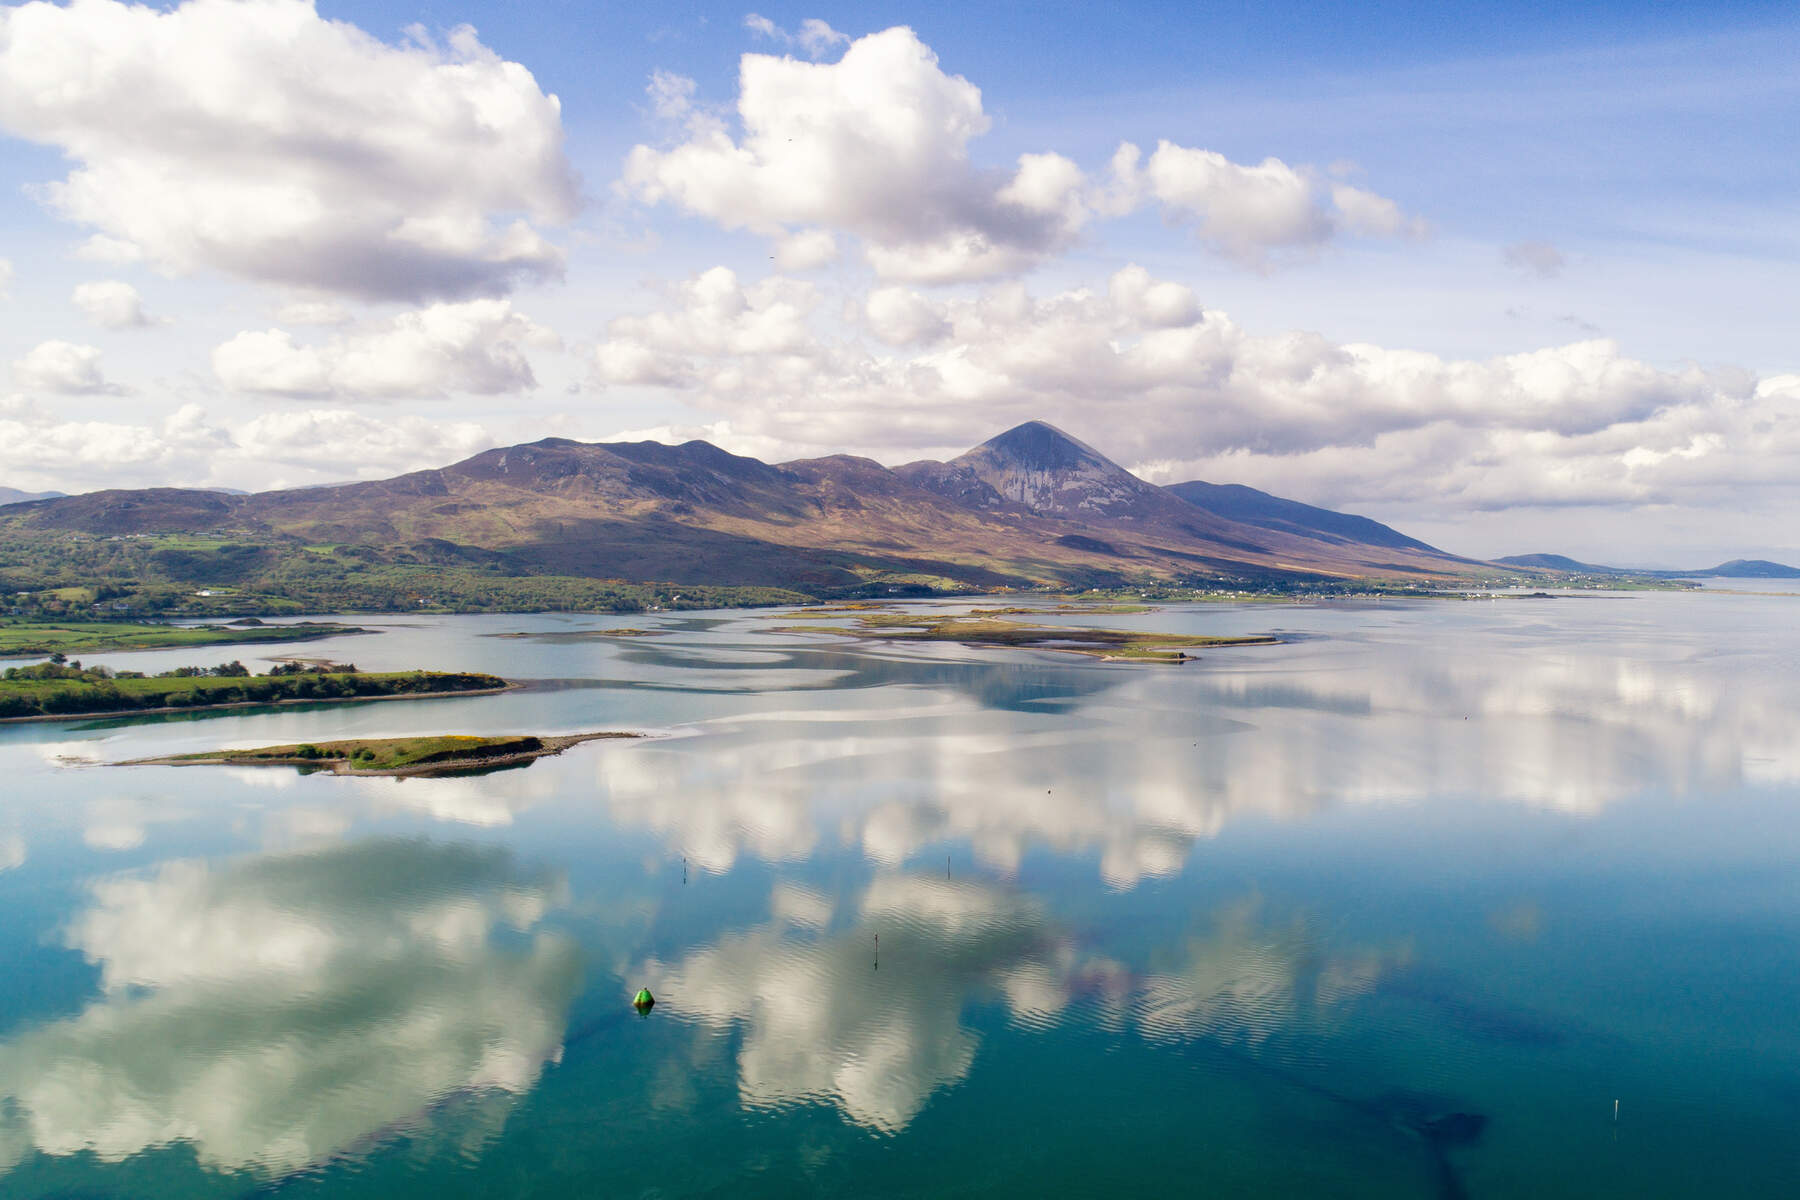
1121,645
399,757
28,639
53,690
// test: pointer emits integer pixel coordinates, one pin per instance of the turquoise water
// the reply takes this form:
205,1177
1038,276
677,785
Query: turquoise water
1400,907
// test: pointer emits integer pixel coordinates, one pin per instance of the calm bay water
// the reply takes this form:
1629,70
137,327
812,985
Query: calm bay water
1400,907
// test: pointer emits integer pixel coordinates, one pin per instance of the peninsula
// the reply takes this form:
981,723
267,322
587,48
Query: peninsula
408,756
51,691
28,639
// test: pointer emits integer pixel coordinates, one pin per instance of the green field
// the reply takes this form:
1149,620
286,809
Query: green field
87,693
28,639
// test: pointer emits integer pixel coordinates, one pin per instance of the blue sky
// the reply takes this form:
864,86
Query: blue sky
1513,279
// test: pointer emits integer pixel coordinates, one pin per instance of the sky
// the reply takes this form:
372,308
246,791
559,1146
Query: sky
1513,280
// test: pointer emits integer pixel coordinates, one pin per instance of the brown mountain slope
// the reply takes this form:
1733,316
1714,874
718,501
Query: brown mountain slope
1030,506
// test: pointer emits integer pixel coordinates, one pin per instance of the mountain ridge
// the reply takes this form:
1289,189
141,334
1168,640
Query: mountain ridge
1029,507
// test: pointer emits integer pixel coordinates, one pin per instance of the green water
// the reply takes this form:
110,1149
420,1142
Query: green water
1400,907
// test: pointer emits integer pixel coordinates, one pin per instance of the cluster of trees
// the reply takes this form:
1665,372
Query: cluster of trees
54,689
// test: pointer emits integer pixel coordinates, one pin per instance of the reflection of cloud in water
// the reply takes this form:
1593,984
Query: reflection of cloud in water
896,785
488,800
283,1009
821,1023
1245,981
1138,771
12,851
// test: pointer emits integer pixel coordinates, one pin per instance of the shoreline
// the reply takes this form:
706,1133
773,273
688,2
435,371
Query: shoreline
188,708
343,766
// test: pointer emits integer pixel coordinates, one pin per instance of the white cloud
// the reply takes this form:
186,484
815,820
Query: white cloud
349,442
1249,212
63,367
671,95
877,145
473,346
189,449
111,304
261,140
1534,258
806,250
6,278
1183,393
714,317
313,312
899,316
814,37
12,852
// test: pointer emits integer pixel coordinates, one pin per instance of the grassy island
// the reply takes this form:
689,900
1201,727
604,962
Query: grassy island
69,690
389,756
1112,644
28,639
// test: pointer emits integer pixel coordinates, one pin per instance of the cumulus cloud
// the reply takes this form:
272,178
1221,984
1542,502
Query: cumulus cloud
474,346
335,439
111,304
1250,212
263,141
63,367
188,448
1534,258
712,317
1183,393
877,145
899,316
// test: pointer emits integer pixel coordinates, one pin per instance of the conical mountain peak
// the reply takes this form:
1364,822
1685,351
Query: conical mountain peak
1040,446
1041,467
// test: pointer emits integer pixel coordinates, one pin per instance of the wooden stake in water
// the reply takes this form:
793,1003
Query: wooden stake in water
1615,1112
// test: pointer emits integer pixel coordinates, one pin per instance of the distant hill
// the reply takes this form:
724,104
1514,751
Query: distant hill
15,496
1032,506
1737,568
1558,562
1753,568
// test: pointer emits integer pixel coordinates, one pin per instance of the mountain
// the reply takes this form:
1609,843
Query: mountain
1031,506
1041,469
1235,502
1737,568
15,496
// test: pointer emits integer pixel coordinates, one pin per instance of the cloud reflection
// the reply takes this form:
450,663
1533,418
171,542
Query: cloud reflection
822,1023
1137,772
281,1010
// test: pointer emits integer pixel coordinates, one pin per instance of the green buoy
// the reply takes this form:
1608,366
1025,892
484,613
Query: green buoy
643,1001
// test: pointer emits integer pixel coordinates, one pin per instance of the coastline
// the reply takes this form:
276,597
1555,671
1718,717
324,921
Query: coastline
188,708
